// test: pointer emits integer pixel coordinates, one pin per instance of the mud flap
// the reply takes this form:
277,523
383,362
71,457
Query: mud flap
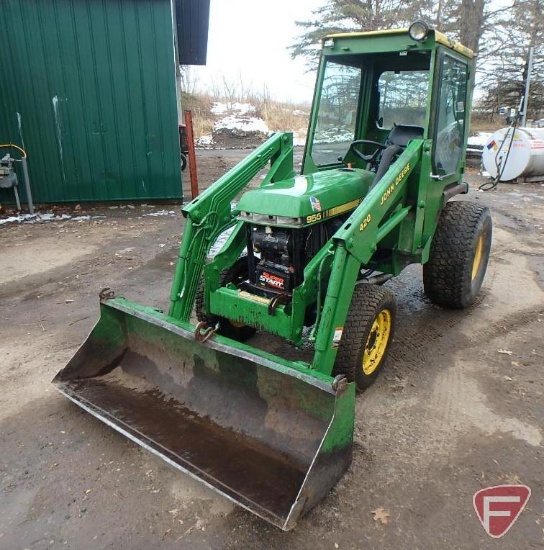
271,438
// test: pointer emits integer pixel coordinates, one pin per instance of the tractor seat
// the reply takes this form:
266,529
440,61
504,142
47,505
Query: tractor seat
396,141
400,135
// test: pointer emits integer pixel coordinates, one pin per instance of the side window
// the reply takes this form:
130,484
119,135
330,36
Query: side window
403,98
450,120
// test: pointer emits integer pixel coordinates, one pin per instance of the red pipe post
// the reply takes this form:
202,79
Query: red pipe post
188,116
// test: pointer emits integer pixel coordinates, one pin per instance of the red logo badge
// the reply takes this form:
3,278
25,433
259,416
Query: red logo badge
499,507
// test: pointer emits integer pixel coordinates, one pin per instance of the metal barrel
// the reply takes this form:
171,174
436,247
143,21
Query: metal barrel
271,438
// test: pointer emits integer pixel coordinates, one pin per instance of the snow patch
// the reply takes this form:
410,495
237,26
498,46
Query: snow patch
220,108
248,124
204,141
47,217
479,140
334,135
161,213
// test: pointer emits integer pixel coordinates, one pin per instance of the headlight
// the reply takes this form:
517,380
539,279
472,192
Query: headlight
418,31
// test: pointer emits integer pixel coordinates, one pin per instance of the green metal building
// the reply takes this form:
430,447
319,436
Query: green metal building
88,89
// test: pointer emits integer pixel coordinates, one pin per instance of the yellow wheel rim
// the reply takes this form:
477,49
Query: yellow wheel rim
477,257
236,324
377,341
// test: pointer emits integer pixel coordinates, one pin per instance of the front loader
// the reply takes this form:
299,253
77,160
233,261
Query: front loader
303,256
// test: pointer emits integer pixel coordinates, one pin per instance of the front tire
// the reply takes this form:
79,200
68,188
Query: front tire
459,254
367,334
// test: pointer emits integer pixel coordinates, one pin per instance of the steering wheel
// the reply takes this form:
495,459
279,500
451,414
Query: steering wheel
367,158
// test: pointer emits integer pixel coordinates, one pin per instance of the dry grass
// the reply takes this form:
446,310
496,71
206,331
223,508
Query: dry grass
200,106
278,116
486,121
285,117
485,125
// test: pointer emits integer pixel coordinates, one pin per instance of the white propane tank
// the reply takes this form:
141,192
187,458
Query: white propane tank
526,156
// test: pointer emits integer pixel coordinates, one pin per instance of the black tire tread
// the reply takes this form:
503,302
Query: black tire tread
451,256
365,304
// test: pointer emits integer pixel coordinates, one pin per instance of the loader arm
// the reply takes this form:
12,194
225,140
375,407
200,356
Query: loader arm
355,243
211,213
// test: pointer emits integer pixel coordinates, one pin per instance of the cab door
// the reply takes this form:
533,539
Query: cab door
451,118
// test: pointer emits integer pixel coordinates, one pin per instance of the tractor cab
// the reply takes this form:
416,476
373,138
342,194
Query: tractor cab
374,96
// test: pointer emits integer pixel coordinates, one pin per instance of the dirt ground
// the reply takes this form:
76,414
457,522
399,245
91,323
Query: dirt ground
460,406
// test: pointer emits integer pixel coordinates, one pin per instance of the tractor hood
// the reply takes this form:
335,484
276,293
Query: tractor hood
307,199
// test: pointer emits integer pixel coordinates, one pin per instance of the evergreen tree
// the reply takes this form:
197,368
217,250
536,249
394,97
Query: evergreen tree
351,16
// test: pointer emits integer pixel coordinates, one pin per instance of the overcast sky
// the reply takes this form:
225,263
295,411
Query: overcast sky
248,39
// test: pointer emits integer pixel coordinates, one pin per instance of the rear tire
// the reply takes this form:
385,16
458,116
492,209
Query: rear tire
367,335
237,331
459,254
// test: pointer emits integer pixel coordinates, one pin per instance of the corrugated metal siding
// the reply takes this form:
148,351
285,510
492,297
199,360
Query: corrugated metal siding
88,88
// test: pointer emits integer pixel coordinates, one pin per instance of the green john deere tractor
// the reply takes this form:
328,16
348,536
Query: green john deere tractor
306,252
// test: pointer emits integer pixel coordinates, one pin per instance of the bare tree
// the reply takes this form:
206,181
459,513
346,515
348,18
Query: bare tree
515,31
473,18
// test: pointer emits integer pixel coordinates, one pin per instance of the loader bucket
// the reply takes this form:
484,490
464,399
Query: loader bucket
271,438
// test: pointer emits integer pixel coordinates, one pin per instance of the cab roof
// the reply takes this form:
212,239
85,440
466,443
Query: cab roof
435,35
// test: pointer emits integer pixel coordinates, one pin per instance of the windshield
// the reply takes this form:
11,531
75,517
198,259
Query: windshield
337,113
403,98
